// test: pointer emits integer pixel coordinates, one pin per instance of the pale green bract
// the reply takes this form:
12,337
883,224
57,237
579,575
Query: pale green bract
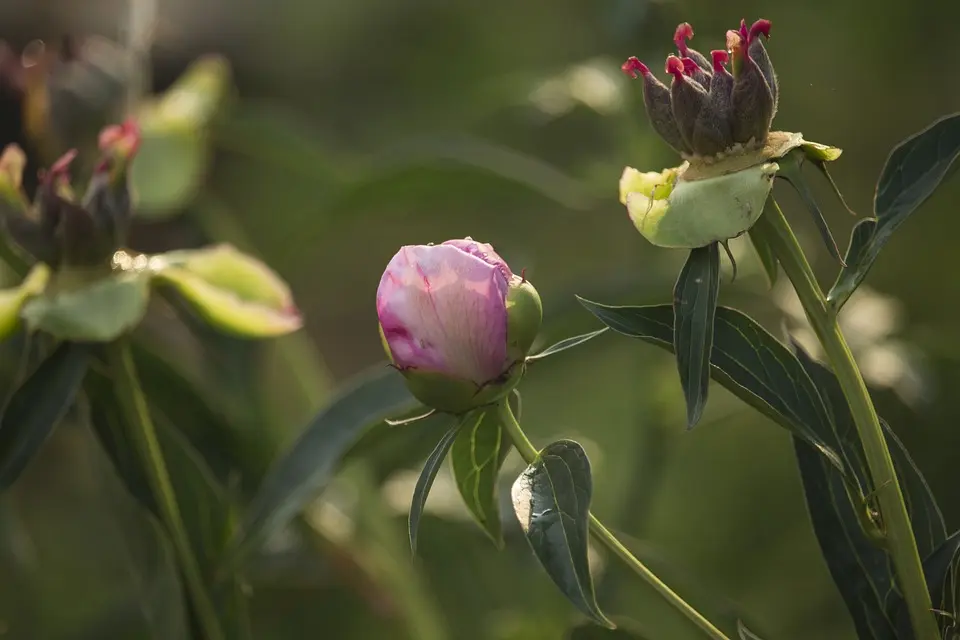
709,200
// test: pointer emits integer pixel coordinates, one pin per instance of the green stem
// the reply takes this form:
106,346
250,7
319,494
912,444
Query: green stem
529,453
134,406
898,532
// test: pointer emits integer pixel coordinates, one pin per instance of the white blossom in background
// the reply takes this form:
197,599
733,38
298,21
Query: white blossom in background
870,322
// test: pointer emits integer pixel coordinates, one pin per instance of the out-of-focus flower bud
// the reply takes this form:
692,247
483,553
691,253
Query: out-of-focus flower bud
56,229
456,322
234,292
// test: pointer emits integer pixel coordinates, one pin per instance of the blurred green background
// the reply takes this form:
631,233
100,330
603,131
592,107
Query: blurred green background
356,127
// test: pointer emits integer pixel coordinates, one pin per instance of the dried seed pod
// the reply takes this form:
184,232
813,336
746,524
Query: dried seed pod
752,100
688,97
758,53
656,98
712,133
683,33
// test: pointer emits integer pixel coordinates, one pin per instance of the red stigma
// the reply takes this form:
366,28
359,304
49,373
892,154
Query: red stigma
758,27
720,59
683,33
675,66
689,66
523,275
633,66
744,34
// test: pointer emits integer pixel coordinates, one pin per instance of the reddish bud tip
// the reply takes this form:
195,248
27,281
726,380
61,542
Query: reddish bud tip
744,33
720,59
683,33
758,27
60,168
689,66
124,137
675,66
733,41
632,67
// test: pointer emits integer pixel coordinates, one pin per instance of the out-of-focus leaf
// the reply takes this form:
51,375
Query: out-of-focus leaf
860,569
205,508
306,468
234,292
694,307
427,476
37,406
13,299
747,360
476,458
913,171
744,633
591,631
100,312
551,499
175,150
566,343
766,256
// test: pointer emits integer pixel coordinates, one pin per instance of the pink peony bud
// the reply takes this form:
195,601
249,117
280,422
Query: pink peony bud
457,322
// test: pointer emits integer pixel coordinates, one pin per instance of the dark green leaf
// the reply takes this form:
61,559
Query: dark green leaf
551,499
37,406
925,516
476,457
912,173
745,359
791,172
767,258
566,343
937,568
860,569
427,476
694,306
859,241
306,468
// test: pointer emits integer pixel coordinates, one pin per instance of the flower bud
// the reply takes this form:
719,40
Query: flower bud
456,322
656,97
688,98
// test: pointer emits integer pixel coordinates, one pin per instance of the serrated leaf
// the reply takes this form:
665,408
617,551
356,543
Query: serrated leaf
860,569
35,409
566,343
305,469
694,306
551,499
427,476
476,458
766,256
913,171
100,312
747,360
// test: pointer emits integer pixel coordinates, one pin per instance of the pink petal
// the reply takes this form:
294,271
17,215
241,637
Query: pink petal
443,309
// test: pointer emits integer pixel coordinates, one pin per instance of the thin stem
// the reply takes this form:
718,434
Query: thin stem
134,406
529,453
898,532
